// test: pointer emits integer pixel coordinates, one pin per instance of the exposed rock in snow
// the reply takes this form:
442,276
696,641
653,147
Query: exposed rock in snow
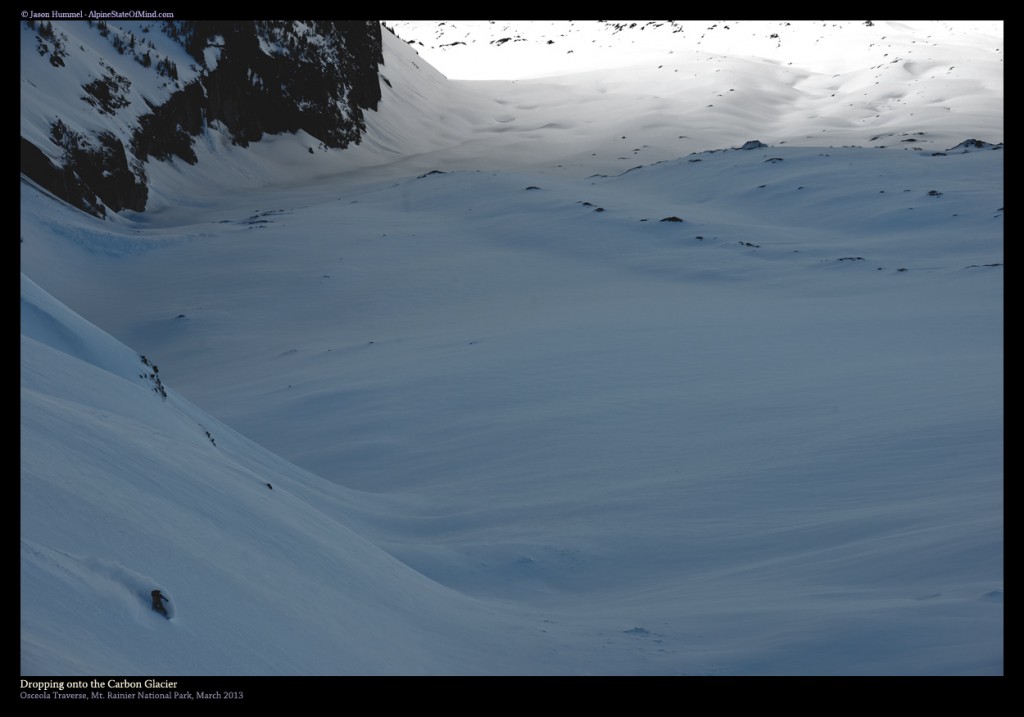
970,145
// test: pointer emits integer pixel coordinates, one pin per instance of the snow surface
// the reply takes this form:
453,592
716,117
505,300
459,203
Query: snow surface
499,418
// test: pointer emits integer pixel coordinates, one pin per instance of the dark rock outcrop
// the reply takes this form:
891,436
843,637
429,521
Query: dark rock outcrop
256,78
971,144
94,166
59,181
271,78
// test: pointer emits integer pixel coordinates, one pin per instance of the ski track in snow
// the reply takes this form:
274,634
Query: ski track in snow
115,582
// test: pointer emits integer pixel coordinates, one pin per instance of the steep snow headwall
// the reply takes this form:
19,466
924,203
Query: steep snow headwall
124,490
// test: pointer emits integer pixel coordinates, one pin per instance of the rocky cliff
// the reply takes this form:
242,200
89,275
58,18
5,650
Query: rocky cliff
146,91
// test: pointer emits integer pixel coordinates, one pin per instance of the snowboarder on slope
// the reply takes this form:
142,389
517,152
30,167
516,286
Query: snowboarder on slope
158,604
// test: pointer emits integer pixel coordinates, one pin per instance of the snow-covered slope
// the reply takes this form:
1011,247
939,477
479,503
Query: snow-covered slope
663,89
572,403
124,491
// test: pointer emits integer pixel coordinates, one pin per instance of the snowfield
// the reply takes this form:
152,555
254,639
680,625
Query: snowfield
547,376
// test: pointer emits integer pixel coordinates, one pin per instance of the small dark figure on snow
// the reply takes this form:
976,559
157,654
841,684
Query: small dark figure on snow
270,486
158,604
